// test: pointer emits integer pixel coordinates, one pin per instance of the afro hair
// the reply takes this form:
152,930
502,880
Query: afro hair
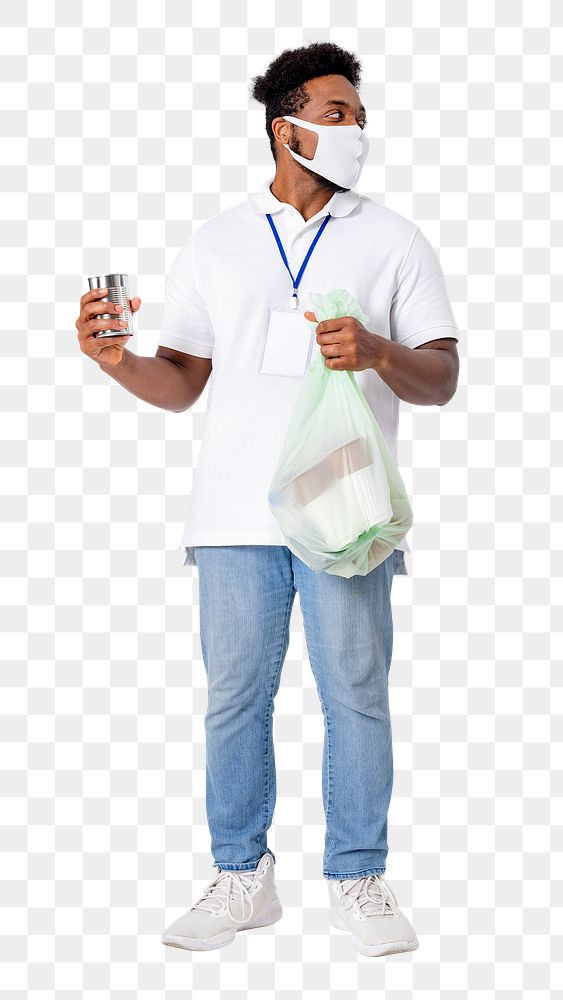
281,88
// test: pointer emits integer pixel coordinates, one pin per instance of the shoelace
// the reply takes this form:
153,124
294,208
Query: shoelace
219,892
370,894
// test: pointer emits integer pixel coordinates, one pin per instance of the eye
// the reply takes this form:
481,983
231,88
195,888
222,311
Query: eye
364,120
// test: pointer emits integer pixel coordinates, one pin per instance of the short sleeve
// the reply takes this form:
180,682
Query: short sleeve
187,325
420,307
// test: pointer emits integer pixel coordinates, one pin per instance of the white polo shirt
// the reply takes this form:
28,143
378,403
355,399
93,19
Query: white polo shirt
221,285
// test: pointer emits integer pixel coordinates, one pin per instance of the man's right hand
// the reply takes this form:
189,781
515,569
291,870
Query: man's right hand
105,350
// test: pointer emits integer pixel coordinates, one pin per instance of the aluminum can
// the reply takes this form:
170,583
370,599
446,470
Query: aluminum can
118,292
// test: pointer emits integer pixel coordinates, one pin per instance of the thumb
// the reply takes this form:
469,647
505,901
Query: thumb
310,316
135,304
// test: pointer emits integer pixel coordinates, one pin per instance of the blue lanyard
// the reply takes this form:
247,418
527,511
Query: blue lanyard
295,281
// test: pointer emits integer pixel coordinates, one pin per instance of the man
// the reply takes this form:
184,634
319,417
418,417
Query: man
243,277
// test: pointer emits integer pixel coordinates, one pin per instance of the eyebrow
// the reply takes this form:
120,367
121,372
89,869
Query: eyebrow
344,104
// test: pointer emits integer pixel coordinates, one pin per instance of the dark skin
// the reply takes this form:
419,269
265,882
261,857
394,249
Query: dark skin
425,375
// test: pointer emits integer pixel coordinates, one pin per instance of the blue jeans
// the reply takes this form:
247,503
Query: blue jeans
246,595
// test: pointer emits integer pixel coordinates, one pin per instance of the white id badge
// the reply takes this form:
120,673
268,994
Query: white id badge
287,345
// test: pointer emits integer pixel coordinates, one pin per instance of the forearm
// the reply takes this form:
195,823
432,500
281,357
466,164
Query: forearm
155,380
425,376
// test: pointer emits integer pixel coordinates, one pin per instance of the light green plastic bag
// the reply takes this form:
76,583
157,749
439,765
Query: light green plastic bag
337,493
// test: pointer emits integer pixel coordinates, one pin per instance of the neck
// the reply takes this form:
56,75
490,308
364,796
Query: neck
301,191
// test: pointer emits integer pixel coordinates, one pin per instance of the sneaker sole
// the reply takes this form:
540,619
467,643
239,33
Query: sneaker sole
375,950
269,915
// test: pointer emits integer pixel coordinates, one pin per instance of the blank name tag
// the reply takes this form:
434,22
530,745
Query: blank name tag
287,344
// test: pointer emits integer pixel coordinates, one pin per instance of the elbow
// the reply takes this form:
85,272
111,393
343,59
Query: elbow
448,394
449,385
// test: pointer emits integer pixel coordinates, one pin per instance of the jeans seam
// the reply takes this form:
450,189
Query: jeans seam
328,747
329,779
269,719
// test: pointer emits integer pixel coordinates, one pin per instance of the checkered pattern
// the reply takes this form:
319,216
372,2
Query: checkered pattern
129,125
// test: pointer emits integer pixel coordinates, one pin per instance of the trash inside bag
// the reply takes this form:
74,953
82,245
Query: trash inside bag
337,494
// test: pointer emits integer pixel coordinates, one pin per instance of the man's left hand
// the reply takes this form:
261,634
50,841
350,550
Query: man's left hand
346,344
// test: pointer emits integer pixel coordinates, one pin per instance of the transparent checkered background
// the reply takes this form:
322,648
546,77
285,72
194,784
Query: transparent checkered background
126,126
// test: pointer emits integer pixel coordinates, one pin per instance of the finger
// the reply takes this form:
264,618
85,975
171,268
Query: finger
310,316
330,338
92,294
96,307
97,325
135,304
337,364
330,325
331,350
110,341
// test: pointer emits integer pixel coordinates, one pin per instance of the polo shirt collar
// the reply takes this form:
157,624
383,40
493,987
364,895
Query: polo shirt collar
341,203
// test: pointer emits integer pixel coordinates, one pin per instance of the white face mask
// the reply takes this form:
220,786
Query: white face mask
340,154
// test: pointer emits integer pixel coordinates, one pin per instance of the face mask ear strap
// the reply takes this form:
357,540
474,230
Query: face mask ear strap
300,121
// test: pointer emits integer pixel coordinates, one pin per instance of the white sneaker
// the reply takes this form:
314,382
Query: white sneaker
368,909
233,901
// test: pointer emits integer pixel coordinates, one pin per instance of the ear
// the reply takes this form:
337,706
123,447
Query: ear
281,129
